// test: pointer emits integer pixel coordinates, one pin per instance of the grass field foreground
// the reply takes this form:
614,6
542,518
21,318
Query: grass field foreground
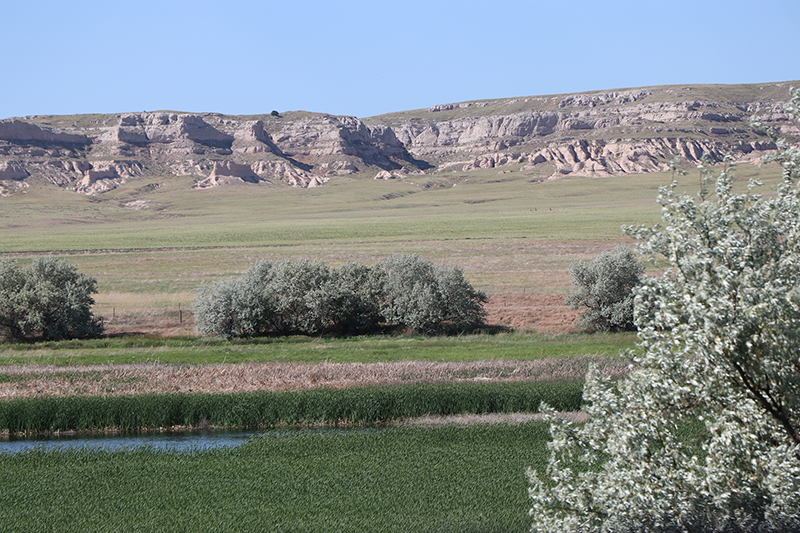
450,478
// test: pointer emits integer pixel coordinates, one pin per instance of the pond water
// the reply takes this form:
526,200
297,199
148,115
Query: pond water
172,441
180,441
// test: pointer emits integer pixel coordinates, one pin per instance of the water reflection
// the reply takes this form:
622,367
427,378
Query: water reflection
183,441
174,441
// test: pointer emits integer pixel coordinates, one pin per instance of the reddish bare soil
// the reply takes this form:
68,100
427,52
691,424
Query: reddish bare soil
545,313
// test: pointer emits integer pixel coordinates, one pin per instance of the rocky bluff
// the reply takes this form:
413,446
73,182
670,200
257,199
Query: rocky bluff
96,153
593,134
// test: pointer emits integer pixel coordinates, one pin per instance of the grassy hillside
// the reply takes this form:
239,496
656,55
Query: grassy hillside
510,233
725,96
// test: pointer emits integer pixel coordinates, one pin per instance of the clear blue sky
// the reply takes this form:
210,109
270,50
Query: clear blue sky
365,58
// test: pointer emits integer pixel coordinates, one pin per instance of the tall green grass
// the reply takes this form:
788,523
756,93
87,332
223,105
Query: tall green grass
367,405
445,479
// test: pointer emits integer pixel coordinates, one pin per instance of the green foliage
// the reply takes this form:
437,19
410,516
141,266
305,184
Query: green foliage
356,405
299,298
720,332
47,300
605,290
353,297
307,297
420,296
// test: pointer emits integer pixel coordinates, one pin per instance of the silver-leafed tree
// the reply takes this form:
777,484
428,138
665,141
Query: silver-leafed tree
703,434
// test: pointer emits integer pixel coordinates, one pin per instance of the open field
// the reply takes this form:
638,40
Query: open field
514,235
313,350
153,365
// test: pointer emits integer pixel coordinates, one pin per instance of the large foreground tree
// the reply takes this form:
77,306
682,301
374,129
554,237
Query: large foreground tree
703,433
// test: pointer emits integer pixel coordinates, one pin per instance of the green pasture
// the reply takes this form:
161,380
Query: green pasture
366,349
477,205
509,232
470,205
566,209
464,479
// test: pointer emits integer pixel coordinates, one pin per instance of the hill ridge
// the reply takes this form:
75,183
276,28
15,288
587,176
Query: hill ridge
592,134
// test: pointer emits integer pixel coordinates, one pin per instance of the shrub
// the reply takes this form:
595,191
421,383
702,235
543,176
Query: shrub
297,293
420,296
48,300
307,297
605,290
352,293
719,347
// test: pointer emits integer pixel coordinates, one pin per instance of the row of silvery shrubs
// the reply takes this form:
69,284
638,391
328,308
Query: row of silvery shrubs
308,297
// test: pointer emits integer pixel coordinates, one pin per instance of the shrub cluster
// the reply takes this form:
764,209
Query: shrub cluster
308,297
47,300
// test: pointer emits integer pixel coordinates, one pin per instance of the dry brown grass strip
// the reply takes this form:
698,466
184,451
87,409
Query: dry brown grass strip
489,418
152,378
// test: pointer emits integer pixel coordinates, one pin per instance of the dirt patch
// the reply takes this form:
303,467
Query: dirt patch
545,313
162,323
151,378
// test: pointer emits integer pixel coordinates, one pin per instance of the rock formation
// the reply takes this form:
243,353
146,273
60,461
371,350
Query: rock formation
12,170
594,134
302,152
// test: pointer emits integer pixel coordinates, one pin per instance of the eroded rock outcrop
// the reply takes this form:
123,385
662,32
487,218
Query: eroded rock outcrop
595,134
251,138
216,149
226,172
102,176
26,134
282,170
12,170
167,128
325,136
592,134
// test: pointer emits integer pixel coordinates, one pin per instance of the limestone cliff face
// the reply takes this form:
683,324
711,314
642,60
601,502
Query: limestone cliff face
20,132
111,150
595,134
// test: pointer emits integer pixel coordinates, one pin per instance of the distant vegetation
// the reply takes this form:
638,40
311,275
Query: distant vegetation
605,290
309,298
48,300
